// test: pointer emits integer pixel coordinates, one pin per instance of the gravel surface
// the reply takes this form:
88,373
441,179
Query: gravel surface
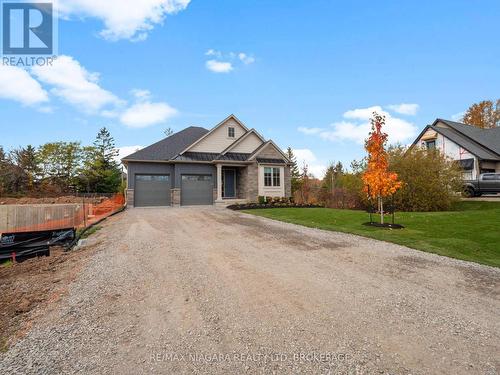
204,290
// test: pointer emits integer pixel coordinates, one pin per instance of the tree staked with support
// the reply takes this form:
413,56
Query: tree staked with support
378,180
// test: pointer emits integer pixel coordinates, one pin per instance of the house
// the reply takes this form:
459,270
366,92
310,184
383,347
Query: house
227,164
477,150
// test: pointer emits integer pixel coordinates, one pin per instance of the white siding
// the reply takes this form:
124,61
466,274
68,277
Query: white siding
248,145
218,141
452,150
271,191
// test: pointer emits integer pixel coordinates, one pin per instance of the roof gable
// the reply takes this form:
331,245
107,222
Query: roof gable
269,149
168,147
217,140
488,138
247,143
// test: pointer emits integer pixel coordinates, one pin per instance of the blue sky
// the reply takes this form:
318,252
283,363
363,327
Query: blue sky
305,73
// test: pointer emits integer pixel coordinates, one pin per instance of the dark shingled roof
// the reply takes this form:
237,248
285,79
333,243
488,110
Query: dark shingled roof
197,156
484,143
271,161
235,156
169,147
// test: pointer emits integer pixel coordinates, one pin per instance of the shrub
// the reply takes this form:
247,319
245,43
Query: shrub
431,181
262,199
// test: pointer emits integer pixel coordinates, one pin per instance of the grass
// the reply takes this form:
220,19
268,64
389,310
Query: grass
470,232
90,231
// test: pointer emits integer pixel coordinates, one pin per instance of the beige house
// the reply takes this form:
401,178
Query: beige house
477,150
228,164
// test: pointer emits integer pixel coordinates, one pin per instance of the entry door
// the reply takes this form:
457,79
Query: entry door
229,177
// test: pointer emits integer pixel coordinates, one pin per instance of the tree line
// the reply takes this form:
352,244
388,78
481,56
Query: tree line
61,167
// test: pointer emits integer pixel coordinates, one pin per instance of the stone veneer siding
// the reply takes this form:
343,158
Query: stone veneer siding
130,197
176,197
288,182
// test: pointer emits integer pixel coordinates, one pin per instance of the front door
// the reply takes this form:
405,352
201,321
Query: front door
228,183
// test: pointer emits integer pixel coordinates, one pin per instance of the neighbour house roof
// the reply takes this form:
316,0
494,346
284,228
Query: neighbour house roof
168,147
484,143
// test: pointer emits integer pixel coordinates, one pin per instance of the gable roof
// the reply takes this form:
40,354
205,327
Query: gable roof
490,138
262,146
484,143
168,147
241,139
231,116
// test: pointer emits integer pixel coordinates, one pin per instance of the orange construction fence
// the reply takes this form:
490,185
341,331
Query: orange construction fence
40,217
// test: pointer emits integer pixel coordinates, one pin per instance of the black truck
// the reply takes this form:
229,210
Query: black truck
487,183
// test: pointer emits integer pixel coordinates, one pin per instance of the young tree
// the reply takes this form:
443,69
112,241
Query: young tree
484,114
294,170
379,182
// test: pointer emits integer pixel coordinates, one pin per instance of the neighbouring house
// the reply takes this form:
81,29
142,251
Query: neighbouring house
227,164
477,150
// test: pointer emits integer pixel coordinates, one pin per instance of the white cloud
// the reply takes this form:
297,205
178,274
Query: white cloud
306,156
17,84
404,108
123,19
357,126
219,66
224,62
74,84
126,151
146,113
309,131
245,58
213,52
141,94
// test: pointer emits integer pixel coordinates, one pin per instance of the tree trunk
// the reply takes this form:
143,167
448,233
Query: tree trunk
381,210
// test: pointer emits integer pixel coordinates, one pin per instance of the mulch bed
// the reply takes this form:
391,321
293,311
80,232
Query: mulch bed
253,206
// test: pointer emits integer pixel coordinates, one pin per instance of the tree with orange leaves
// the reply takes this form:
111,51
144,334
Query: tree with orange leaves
379,182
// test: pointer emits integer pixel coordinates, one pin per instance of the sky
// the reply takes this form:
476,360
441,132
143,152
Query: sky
307,74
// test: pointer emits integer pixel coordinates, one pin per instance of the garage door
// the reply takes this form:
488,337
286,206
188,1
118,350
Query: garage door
196,189
152,190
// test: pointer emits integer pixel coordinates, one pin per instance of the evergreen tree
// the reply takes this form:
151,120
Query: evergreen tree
294,170
333,176
101,172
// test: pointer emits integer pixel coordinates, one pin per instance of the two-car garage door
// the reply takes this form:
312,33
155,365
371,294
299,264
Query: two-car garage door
154,190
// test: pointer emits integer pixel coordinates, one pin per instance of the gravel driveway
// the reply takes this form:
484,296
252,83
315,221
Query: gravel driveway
203,290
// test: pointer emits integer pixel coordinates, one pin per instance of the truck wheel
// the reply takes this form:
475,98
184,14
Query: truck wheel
470,193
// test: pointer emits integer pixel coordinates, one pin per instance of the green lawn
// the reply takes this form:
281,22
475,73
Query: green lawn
470,232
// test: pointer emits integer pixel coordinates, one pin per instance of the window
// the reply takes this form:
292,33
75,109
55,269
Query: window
431,145
272,176
276,177
489,177
268,178
230,132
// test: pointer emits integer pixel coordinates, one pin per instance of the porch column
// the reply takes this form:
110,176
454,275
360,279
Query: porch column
219,182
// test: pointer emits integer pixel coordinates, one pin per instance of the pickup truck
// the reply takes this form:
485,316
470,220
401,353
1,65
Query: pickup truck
487,183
